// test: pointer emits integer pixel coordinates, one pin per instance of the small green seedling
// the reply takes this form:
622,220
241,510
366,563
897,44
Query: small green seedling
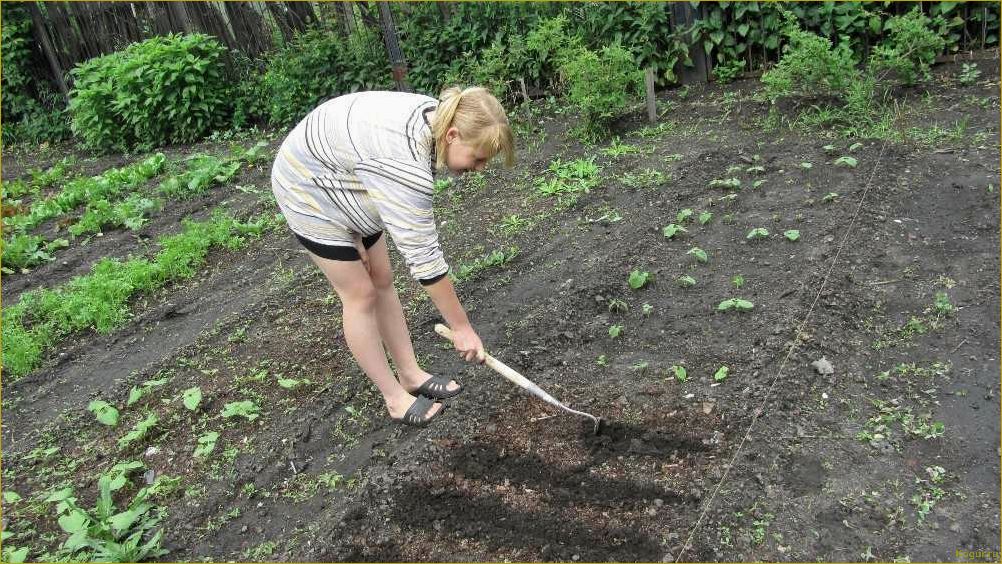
756,169
943,305
848,162
728,198
684,215
792,234
854,146
721,374
641,366
618,305
829,197
758,183
647,309
758,233
206,444
601,360
673,229
246,408
615,330
104,412
736,304
680,373
705,218
639,279
729,183
685,281
738,281
828,148
700,254
139,431
289,383
806,165
191,398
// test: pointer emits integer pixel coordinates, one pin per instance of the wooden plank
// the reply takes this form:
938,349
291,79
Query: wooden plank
652,105
38,26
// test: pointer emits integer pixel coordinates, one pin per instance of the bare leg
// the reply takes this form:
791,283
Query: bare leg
391,321
361,329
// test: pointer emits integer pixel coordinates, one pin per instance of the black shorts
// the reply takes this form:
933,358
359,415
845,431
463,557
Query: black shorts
336,252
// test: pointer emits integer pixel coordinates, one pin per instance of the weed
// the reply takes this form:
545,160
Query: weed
513,224
639,278
698,253
617,149
496,258
968,74
738,281
645,179
206,444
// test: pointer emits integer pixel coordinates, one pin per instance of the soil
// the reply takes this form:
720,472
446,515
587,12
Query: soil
766,464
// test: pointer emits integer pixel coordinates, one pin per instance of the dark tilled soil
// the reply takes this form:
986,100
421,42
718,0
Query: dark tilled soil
323,474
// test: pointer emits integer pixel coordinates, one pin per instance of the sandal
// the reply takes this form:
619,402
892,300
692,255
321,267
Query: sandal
436,387
416,413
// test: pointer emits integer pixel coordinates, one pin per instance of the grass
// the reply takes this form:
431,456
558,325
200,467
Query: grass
99,300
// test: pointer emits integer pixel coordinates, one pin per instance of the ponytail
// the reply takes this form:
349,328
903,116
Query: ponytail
480,119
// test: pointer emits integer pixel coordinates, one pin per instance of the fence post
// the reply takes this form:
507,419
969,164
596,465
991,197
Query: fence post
652,107
683,16
43,35
393,48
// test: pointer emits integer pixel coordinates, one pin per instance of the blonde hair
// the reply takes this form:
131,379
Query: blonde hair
480,119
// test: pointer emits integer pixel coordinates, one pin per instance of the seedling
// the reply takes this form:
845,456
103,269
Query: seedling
206,444
104,412
792,234
700,254
758,233
615,330
721,374
829,148
728,198
685,281
829,197
513,224
736,304
680,373
729,183
638,279
756,169
641,366
969,74
136,393
617,149
246,408
738,281
806,165
289,383
854,146
705,218
139,431
601,360
847,161
617,305
758,183
673,229
684,215
192,397
647,309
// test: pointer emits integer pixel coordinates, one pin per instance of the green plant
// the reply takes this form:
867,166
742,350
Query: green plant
910,46
672,229
104,412
617,305
170,88
513,224
139,431
829,197
736,304
496,258
113,536
758,233
615,330
968,74
599,85
848,162
638,279
811,66
617,149
705,218
203,171
685,281
738,281
698,253
721,374
206,444
24,251
246,408
646,309
725,73
792,234
729,183
191,398
680,373
602,360
137,392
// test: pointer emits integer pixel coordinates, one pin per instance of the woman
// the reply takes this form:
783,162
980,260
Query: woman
360,164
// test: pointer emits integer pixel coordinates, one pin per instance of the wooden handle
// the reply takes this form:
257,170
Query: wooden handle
495,364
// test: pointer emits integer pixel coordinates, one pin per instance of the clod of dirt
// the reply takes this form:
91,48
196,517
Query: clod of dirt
823,367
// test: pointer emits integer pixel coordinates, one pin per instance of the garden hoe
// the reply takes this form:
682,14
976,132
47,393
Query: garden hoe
523,382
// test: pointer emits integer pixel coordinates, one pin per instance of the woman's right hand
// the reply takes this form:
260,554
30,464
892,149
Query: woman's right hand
467,342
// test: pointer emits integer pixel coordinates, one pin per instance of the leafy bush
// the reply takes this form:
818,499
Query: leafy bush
600,85
725,73
171,89
910,47
317,65
810,66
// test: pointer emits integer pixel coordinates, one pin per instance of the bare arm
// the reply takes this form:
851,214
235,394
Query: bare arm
465,339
